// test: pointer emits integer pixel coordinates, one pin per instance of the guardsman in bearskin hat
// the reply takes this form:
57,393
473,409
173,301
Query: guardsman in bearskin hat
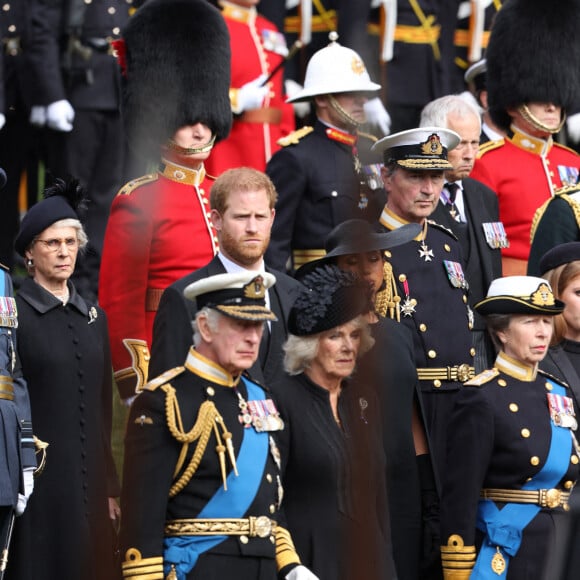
202,488
326,174
533,76
176,61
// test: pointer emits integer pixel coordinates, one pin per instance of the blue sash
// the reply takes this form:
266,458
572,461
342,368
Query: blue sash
503,528
183,551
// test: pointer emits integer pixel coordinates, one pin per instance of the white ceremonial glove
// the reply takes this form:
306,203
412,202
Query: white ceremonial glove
300,573
292,88
377,115
251,95
28,480
573,126
60,116
2,120
37,116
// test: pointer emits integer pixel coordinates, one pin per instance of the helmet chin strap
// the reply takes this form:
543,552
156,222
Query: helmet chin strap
537,124
206,148
342,113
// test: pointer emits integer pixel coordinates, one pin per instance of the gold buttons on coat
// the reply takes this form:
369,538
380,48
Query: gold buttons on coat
549,387
402,277
244,539
268,478
568,484
574,459
472,351
272,508
210,391
502,383
447,248
514,408
535,460
525,433
423,327
431,354
464,299
437,383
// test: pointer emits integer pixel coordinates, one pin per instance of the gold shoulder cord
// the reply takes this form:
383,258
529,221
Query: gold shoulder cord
387,300
208,419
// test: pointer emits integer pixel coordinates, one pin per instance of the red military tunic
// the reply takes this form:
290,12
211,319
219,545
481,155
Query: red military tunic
524,171
159,231
257,47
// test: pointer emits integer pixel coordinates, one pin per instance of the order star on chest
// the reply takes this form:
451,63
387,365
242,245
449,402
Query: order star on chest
425,252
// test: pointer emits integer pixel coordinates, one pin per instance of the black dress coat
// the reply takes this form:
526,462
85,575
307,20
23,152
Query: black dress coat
482,262
64,350
173,333
317,190
334,485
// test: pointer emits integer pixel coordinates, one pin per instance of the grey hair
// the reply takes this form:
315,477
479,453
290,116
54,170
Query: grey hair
300,351
435,113
76,224
212,316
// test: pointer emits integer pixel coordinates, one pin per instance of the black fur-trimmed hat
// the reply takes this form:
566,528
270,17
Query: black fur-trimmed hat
176,65
329,298
533,56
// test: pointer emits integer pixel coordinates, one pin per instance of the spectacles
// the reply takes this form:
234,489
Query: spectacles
54,244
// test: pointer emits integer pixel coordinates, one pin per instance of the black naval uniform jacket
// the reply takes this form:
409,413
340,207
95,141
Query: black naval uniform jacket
563,362
482,262
172,331
499,436
151,456
439,318
318,189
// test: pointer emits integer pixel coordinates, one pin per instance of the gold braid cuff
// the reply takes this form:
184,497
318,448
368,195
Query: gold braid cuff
457,560
137,568
208,420
285,550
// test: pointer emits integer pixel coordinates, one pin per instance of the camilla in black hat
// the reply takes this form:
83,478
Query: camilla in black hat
327,417
513,456
63,347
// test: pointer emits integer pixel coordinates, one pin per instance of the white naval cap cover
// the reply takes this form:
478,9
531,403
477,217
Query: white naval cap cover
335,69
475,69
240,295
520,295
423,148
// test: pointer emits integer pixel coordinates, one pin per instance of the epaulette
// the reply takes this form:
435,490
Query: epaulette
574,206
490,146
295,136
163,378
4,267
482,378
368,136
554,378
565,147
128,188
442,228
537,217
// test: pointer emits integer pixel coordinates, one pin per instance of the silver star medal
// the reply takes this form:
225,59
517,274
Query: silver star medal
408,306
425,252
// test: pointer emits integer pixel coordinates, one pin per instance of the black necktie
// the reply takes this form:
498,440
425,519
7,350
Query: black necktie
452,188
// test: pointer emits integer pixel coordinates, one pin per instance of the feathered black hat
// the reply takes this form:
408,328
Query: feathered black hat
533,56
329,297
62,200
176,61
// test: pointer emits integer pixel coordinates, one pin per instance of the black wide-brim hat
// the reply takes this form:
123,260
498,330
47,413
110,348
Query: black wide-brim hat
561,254
520,295
358,237
329,297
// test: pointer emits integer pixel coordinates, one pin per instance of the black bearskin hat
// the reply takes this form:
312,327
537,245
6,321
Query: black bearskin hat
176,65
533,56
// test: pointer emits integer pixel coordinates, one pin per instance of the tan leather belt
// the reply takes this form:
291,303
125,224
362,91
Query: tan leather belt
550,498
261,527
152,299
459,373
265,115
301,257
6,388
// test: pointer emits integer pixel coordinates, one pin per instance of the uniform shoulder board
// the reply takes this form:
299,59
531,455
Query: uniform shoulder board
163,378
554,378
556,144
482,378
295,136
368,136
128,188
4,267
442,228
490,146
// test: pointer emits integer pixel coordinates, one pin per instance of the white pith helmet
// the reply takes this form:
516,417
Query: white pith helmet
335,69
